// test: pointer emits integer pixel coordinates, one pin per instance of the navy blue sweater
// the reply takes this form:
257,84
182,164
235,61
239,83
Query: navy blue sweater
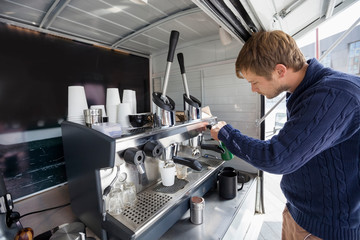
317,151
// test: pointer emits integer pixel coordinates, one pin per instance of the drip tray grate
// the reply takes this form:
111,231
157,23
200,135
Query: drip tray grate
147,204
178,185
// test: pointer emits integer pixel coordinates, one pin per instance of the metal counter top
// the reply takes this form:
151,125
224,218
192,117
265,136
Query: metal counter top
221,216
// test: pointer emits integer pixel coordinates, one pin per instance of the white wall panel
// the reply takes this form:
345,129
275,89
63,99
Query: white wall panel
197,54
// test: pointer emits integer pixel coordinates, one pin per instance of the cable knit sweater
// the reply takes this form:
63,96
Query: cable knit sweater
317,151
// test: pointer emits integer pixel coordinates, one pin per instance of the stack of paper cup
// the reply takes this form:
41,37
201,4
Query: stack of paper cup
112,100
124,110
129,96
76,104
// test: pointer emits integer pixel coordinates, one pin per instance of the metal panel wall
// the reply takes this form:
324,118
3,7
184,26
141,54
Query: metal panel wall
210,71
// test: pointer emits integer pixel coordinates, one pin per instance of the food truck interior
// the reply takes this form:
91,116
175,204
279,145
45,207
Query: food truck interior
48,161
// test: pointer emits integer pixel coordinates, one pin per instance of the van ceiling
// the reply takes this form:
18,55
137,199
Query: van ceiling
145,28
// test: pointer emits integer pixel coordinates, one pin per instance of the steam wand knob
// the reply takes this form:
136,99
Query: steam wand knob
135,157
153,149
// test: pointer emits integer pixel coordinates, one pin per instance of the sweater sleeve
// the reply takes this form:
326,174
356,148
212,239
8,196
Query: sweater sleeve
321,118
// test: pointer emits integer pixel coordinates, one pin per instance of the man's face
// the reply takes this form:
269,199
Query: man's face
270,88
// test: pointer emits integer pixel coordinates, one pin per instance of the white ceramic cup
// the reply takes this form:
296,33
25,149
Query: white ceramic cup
167,173
123,112
76,101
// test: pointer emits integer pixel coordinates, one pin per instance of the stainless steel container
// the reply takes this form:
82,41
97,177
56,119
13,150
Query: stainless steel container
169,152
192,108
163,113
93,116
197,205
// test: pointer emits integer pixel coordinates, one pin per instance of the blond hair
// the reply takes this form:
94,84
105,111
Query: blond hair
264,50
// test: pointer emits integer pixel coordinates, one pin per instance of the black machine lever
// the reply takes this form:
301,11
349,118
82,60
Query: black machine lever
213,147
189,162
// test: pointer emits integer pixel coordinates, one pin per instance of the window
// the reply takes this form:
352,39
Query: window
354,58
327,60
344,57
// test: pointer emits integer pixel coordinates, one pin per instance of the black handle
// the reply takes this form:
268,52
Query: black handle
242,185
189,162
180,57
213,147
3,190
174,37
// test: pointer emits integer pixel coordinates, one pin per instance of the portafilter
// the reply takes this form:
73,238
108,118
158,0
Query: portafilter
170,152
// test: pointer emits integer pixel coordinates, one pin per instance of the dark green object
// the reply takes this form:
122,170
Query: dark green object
227,155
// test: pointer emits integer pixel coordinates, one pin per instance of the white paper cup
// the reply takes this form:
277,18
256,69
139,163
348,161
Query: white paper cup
123,112
112,100
133,99
129,96
78,121
76,101
112,113
112,96
102,107
167,173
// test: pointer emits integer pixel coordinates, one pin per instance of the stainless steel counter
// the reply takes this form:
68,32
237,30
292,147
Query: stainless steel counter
223,219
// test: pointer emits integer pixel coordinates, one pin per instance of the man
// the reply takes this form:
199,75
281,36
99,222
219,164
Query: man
318,149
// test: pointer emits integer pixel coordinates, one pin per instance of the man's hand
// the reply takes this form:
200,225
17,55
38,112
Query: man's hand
216,128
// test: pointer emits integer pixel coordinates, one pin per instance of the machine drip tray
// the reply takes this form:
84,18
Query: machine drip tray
158,202
146,206
178,185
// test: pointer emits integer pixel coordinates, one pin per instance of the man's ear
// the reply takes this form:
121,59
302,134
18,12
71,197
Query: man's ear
280,70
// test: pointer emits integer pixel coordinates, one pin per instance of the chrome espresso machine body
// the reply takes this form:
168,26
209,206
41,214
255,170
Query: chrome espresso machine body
90,153
94,161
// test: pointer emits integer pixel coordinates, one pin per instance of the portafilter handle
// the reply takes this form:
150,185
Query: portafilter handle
136,157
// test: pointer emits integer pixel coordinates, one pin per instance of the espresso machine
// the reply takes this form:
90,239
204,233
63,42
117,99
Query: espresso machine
89,153
94,162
